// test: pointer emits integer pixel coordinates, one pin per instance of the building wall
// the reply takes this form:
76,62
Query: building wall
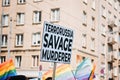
71,15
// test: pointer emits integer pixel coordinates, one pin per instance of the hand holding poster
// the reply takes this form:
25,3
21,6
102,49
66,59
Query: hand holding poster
56,43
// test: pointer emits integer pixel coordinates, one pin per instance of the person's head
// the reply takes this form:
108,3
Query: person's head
17,77
49,78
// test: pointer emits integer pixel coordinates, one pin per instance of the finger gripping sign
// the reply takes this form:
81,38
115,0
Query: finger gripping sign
56,43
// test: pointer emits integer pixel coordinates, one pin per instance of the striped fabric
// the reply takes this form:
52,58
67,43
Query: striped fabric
7,69
63,72
83,70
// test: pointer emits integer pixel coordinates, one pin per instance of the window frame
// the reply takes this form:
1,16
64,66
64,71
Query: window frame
21,39
103,10
23,2
35,60
92,47
5,23
35,35
4,40
38,20
84,18
2,59
18,63
93,4
5,5
84,40
93,23
55,15
20,18
37,0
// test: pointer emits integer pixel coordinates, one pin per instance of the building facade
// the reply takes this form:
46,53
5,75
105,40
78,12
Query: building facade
110,38
96,25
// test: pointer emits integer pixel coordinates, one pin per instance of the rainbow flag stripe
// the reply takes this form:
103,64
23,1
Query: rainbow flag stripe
83,70
63,72
92,73
7,69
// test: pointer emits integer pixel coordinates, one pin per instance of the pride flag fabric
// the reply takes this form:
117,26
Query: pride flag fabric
92,73
83,70
63,72
7,69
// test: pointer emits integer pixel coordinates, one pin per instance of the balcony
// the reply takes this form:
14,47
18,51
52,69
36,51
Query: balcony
109,57
119,62
110,74
116,23
115,71
112,39
119,57
115,55
111,22
119,45
102,59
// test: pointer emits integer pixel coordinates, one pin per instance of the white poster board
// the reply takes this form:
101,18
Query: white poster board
56,43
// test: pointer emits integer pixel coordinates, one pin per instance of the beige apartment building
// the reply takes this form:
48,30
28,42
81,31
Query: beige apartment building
96,25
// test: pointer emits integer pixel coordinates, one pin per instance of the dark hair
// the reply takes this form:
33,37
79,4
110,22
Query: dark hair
49,78
17,77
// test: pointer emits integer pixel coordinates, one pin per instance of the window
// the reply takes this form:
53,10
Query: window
37,0
5,20
85,1
102,70
103,49
6,2
92,44
2,59
110,66
19,39
115,71
18,61
103,30
93,23
116,21
84,18
119,23
110,2
35,61
20,18
109,16
103,12
119,53
37,17
119,39
116,4
119,69
55,14
93,4
36,39
21,1
4,40
110,48
84,40
110,29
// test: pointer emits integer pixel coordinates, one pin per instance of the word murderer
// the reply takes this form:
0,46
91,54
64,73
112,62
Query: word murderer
57,43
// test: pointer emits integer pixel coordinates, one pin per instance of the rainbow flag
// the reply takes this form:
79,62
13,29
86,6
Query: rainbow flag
7,69
63,72
92,73
83,70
